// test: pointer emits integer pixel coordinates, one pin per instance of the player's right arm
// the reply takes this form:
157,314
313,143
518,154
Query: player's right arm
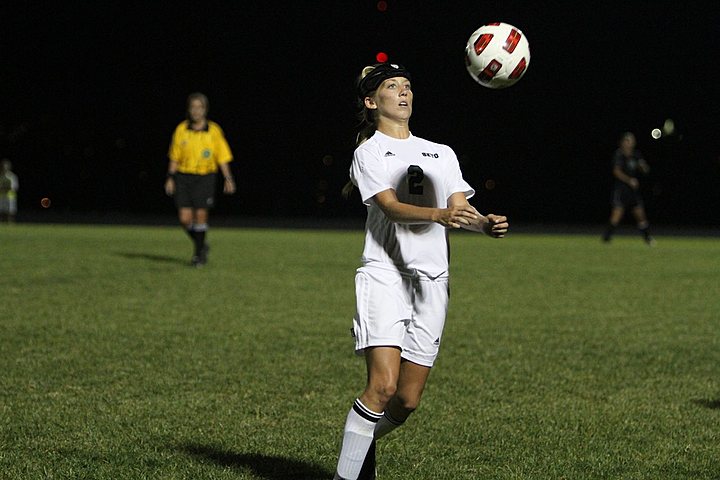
174,152
170,180
625,178
398,212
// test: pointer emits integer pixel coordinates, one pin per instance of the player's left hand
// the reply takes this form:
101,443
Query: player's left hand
496,226
229,186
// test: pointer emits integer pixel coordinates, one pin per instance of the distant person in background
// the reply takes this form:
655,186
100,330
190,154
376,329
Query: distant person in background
197,150
8,192
628,164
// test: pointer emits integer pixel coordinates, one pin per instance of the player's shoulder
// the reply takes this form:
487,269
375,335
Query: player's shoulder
214,127
369,145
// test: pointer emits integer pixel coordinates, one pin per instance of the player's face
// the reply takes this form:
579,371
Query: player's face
393,98
197,110
628,144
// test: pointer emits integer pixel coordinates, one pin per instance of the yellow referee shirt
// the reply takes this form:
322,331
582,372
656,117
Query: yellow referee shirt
199,152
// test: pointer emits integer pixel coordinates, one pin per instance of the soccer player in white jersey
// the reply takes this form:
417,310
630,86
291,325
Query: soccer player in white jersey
414,193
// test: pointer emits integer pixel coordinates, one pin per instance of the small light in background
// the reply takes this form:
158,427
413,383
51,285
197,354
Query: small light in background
656,133
381,57
489,184
382,6
668,127
45,202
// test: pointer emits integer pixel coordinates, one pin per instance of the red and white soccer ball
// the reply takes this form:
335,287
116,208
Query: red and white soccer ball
497,55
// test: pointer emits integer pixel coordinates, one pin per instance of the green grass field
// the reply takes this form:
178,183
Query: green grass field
563,358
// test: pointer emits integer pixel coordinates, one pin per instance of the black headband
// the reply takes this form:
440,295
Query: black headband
382,71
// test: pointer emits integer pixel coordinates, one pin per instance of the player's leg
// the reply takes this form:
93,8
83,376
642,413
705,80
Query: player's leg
200,228
642,223
616,214
410,387
185,216
421,346
184,203
383,370
4,209
383,300
203,198
12,210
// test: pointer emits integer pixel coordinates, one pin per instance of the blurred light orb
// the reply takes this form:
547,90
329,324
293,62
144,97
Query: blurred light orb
45,202
668,127
381,57
656,133
382,5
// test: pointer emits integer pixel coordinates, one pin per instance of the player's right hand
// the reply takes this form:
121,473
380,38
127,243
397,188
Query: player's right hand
456,216
170,187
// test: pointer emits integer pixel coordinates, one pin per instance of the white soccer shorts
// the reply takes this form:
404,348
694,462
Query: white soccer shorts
8,205
406,310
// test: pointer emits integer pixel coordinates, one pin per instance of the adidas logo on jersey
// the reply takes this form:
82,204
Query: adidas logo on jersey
437,341
389,154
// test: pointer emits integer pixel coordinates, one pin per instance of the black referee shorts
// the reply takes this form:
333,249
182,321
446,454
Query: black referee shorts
194,191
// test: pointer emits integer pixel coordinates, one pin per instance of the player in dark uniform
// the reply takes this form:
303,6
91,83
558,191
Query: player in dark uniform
628,164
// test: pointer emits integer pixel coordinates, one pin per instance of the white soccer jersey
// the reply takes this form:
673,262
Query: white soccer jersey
422,173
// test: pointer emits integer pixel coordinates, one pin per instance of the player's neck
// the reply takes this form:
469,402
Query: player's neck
199,125
392,129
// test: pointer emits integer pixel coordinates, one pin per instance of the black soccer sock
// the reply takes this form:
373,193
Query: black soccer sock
645,232
609,232
200,230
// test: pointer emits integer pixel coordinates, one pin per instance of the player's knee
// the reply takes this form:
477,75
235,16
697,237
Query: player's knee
185,220
408,403
382,391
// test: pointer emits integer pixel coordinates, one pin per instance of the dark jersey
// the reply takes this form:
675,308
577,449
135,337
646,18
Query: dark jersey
629,165
623,195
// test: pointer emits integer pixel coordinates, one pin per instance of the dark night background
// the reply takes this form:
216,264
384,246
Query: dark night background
93,90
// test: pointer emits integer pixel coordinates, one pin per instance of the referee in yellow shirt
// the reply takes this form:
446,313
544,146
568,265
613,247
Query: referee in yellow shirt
198,148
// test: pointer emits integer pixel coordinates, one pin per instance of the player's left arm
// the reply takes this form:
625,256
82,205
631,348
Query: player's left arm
495,226
224,157
228,182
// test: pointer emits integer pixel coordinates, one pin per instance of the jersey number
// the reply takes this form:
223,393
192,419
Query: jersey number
414,179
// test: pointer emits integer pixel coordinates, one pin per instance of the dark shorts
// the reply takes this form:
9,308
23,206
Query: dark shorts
625,197
194,191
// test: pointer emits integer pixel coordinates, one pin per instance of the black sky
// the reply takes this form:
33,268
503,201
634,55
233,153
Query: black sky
93,90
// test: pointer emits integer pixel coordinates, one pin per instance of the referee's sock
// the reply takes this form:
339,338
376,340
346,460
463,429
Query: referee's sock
199,232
